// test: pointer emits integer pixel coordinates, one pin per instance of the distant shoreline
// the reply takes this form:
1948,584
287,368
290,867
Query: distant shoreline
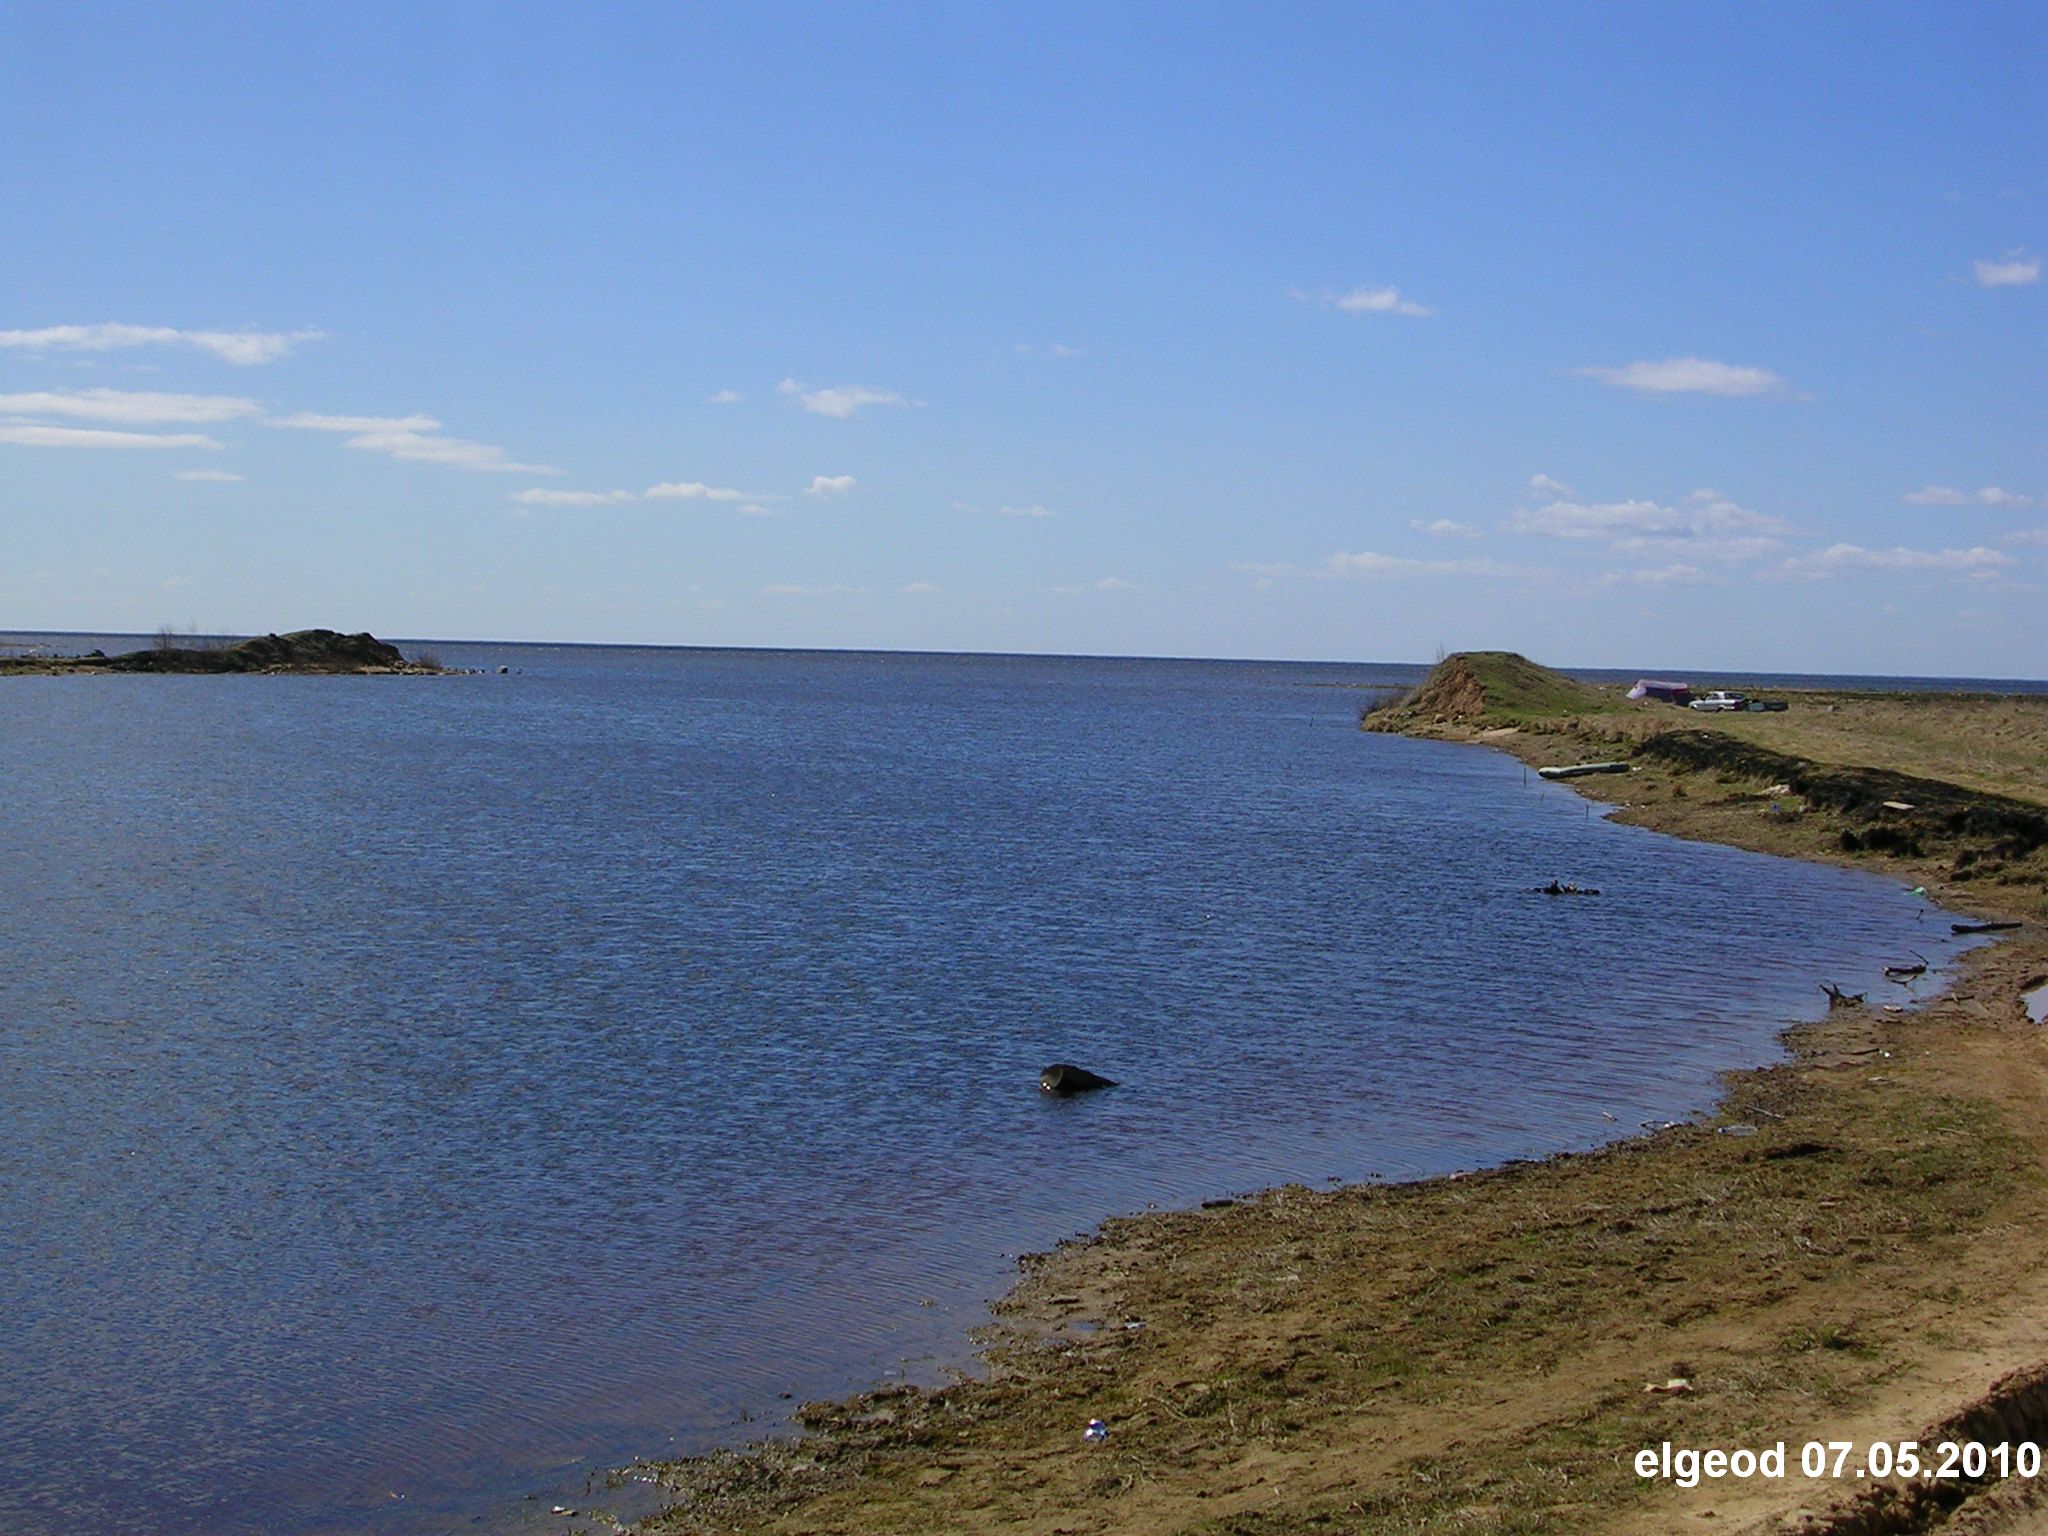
1413,671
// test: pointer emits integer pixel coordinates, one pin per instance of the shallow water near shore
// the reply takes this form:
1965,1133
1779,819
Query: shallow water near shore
417,1092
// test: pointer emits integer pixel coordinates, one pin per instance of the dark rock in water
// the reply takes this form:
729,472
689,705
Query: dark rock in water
304,650
1064,1078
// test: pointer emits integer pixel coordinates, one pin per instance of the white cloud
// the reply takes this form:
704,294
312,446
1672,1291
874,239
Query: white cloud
1705,526
313,421
920,589
830,485
693,490
724,397
240,347
1368,562
546,498
1654,576
1688,376
1030,509
411,438
755,509
1936,496
841,401
455,452
2016,271
29,436
127,407
783,589
1378,301
1949,496
1543,485
1363,301
209,476
1443,528
1112,584
1975,561
2029,536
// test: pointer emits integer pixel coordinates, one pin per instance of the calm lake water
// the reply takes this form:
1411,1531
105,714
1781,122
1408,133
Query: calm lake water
417,1092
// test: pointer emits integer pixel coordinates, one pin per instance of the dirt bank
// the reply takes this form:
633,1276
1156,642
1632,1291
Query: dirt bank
1848,1252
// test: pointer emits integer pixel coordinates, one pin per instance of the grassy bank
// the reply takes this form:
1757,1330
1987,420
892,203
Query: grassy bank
1855,1257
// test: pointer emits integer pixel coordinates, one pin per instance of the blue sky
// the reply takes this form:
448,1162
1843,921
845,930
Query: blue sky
1673,336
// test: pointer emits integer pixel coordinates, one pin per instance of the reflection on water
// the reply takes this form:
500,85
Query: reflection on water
422,1087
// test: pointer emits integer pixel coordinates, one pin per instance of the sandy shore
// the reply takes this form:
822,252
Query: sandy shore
1849,1250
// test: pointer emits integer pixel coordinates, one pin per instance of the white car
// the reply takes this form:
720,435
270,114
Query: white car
1720,700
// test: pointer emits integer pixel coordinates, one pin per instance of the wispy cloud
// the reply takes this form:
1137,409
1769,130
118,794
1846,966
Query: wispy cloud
413,438
28,435
841,401
1977,561
1363,301
920,589
314,421
724,397
136,408
243,348
1366,562
2015,271
541,497
1688,376
790,589
1557,490
1936,496
455,452
1047,349
209,476
1028,509
1101,584
1443,528
693,490
830,485
1654,576
1949,496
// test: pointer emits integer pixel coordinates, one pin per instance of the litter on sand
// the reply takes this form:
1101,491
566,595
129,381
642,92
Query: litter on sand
1096,1432
1677,1386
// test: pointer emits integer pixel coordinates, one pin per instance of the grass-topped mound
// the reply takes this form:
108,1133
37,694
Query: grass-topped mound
303,650
1489,688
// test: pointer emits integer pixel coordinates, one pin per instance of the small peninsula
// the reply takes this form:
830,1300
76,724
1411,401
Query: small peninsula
315,651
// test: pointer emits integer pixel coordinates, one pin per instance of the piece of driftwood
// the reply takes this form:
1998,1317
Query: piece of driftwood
1837,998
1905,973
1580,770
1982,927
